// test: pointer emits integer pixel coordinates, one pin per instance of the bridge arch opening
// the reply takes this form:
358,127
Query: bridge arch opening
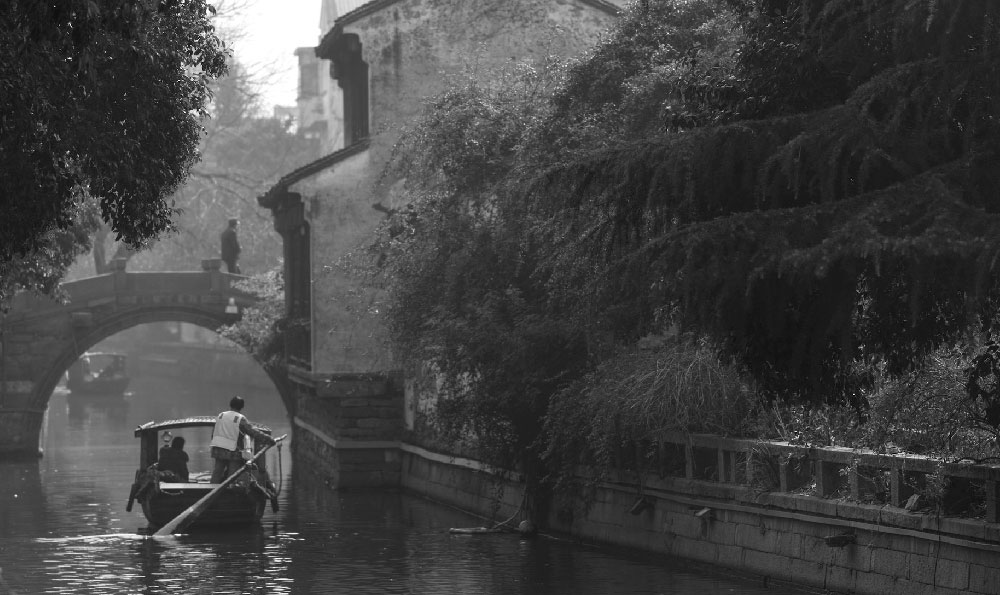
91,337
40,338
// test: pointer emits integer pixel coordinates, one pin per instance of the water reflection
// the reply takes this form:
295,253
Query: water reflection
83,410
64,529
20,494
234,562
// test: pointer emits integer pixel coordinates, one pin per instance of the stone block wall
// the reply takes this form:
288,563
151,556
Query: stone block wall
340,467
19,431
346,430
847,547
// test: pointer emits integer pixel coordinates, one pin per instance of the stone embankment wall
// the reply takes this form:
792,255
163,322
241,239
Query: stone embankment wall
346,432
847,521
834,519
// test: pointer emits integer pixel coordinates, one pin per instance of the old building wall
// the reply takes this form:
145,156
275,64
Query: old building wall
341,219
412,46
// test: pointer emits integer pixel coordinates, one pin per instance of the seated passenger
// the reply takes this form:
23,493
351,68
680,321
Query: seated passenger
174,460
114,370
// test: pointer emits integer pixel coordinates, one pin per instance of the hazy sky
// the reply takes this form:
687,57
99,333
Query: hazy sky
272,30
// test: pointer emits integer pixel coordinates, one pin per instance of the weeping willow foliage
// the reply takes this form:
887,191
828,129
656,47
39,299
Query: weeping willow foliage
803,231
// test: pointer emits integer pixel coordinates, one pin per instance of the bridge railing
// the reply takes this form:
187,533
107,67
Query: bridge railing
208,286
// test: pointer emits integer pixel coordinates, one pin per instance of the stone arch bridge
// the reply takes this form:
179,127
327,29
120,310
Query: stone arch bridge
40,337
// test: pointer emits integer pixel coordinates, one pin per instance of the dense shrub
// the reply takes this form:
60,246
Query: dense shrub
929,411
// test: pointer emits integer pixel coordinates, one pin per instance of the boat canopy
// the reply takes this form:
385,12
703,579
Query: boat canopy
199,421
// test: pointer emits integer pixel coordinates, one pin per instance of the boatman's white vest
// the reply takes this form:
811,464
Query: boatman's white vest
227,430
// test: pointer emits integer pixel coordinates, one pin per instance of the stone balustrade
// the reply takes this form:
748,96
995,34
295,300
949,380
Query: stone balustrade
961,489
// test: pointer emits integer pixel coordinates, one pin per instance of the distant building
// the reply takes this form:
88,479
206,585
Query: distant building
375,64
311,99
288,114
317,88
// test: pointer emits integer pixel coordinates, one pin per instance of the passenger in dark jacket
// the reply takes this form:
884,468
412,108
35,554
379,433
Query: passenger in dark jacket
174,459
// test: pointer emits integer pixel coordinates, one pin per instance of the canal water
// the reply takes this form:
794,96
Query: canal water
64,528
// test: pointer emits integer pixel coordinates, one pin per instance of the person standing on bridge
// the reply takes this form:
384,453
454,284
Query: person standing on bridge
228,438
230,247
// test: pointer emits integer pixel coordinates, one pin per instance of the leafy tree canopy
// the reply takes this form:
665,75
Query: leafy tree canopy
257,330
460,297
101,101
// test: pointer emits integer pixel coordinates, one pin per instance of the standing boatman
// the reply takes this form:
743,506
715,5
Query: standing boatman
228,439
230,246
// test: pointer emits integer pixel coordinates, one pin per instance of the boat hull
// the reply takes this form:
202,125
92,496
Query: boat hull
231,507
98,373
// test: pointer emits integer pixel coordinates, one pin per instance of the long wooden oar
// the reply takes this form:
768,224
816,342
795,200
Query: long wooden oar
188,516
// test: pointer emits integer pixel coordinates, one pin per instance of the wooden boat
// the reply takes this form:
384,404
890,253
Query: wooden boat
98,373
163,496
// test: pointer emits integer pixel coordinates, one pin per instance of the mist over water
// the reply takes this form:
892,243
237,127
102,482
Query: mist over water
64,528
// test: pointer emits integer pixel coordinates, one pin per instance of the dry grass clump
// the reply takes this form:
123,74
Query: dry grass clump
674,384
